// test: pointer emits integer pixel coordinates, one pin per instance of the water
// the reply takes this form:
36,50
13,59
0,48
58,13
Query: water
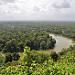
62,42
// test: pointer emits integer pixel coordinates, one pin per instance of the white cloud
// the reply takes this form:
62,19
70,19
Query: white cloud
1,3
8,1
61,4
37,10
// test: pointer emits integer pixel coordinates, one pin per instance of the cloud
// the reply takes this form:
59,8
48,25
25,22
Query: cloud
1,3
9,9
37,9
61,4
8,1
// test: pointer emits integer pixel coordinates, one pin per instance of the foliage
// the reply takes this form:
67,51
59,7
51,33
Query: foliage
54,55
9,57
65,65
1,59
14,36
26,56
15,56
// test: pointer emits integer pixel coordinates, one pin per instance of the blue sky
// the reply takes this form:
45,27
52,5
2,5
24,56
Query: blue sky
37,10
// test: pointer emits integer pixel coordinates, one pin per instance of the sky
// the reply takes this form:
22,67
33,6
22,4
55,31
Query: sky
48,10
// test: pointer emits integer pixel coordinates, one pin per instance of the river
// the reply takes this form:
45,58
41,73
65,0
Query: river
61,42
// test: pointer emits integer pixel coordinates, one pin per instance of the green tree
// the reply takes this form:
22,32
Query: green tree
43,45
1,59
11,46
26,56
8,58
15,56
54,55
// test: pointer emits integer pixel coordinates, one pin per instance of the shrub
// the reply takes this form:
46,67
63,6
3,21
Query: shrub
54,55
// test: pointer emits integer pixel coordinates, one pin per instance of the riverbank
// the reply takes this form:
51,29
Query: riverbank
61,42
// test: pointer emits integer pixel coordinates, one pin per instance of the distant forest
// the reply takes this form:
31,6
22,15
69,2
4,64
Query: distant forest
14,36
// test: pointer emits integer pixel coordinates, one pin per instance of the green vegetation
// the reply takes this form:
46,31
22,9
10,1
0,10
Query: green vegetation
28,37
14,37
42,64
10,57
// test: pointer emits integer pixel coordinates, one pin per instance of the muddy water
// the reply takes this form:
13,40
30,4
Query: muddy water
61,42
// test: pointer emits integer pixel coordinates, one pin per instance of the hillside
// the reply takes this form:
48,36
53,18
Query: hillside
28,38
34,64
